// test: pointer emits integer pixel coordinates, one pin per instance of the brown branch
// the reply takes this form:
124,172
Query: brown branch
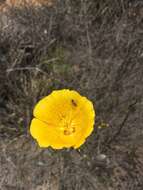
122,124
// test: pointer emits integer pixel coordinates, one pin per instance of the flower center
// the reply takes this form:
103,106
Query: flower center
69,131
67,125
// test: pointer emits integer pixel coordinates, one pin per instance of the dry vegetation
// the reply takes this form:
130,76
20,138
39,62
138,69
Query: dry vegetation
95,47
6,4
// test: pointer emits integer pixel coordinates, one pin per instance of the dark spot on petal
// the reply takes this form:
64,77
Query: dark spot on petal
74,103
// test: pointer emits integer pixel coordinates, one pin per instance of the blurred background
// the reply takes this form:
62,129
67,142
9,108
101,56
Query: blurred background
94,47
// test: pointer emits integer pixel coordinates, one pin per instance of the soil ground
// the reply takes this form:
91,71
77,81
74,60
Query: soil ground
96,48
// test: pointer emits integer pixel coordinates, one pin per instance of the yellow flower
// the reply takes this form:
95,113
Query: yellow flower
63,119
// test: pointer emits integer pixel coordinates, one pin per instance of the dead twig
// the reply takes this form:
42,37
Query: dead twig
25,68
122,124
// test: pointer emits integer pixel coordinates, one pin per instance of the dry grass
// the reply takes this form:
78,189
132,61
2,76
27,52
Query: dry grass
5,5
95,47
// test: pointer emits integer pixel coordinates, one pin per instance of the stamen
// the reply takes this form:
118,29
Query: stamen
69,131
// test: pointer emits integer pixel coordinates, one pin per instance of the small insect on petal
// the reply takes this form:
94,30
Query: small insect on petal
74,103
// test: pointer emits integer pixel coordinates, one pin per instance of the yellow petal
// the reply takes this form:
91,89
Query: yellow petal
44,134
